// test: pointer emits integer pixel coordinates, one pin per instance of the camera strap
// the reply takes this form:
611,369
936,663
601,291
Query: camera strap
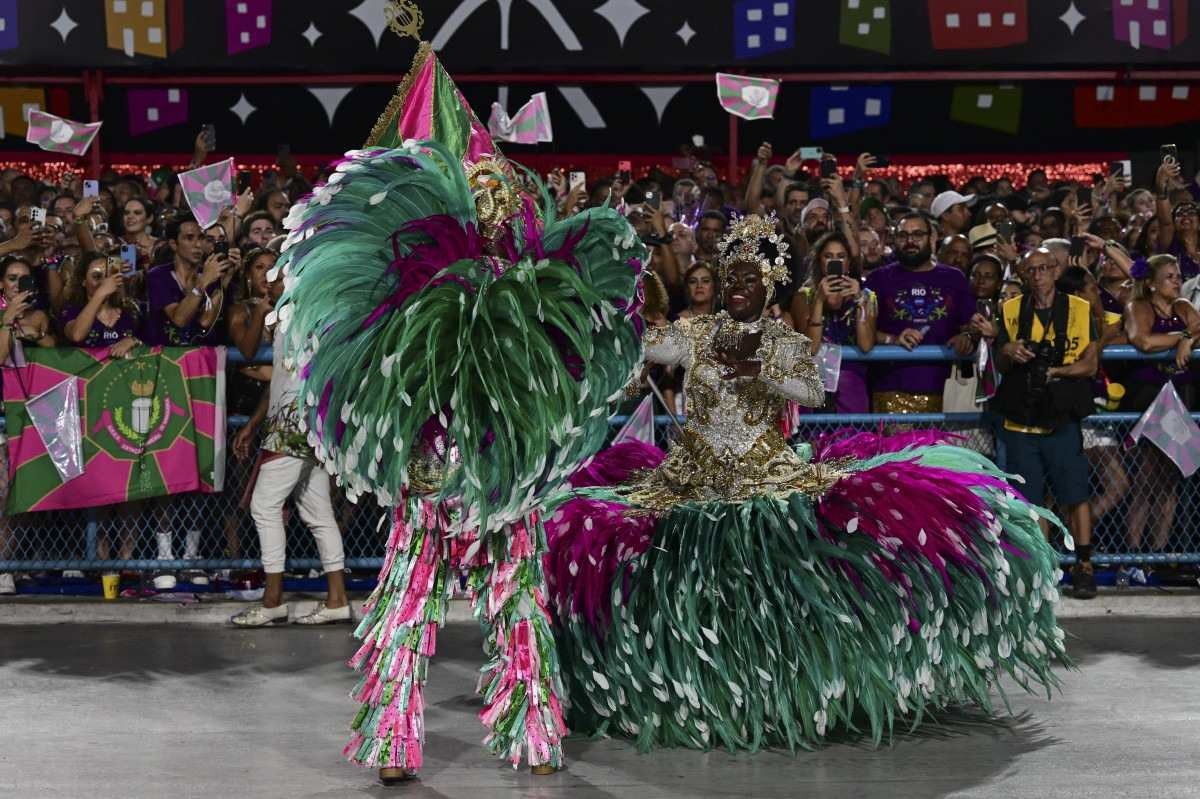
1059,317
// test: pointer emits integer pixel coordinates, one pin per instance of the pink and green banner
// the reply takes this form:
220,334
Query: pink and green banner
149,425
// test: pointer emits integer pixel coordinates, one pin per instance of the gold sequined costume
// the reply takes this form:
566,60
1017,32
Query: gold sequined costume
731,447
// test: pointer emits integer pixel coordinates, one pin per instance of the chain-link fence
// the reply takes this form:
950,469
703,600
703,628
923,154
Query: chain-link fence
1134,487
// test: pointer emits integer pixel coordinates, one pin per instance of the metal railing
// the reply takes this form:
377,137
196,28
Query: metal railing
227,540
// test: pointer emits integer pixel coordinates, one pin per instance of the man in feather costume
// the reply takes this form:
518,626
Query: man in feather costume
460,349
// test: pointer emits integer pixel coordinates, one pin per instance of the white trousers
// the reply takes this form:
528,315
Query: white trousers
277,479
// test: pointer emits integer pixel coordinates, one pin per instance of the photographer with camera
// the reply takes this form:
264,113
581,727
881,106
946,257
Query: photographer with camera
1048,356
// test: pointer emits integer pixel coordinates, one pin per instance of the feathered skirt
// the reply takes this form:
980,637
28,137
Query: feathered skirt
914,583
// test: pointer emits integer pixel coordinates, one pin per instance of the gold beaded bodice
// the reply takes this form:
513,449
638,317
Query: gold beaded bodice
732,448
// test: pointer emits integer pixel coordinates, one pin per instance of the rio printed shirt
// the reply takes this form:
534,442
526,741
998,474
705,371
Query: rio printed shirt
938,302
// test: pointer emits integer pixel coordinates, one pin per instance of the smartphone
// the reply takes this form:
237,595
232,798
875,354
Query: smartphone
209,132
1004,230
811,153
984,308
113,266
1122,168
1077,246
37,216
828,168
243,180
27,283
129,254
653,199
881,161
91,188
578,179
625,171
835,267
221,248
1170,153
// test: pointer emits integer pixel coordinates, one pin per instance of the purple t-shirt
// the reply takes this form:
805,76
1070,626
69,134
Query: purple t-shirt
163,289
100,335
938,301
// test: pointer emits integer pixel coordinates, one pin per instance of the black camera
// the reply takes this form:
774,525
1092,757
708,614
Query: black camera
1036,371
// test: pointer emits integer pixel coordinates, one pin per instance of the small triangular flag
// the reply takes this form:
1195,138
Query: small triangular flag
748,98
530,125
639,426
208,190
1168,425
58,135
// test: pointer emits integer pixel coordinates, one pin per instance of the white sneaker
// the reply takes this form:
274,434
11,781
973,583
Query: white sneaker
196,577
164,581
324,615
7,584
260,616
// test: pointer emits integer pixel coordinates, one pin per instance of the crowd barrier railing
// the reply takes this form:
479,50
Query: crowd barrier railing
225,538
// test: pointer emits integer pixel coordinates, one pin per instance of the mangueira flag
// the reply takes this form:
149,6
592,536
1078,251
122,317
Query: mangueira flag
150,425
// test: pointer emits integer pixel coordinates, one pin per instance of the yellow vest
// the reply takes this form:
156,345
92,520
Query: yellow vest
1079,336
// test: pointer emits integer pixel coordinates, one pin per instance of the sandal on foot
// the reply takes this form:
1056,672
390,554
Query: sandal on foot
396,776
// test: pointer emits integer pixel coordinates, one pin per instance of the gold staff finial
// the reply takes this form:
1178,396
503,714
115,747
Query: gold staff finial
405,18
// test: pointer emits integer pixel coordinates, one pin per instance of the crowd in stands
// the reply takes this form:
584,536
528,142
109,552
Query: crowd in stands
874,262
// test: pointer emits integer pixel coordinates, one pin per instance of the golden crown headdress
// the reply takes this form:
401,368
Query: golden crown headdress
755,239
497,196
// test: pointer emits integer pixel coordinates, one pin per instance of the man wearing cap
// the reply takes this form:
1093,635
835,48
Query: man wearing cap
982,237
814,219
951,211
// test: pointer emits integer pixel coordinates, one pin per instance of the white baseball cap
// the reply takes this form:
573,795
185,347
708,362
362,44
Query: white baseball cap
815,202
947,200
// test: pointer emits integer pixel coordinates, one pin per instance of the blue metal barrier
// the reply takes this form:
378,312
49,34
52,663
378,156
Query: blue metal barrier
70,540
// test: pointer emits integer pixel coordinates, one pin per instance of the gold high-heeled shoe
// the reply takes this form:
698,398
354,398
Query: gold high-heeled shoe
542,770
396,776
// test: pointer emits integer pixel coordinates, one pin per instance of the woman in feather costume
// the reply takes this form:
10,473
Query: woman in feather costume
460,349
747,595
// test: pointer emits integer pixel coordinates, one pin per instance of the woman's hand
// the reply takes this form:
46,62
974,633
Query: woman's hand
836,190
1168,172
735,368
123,348
850,288
244,202
981,326
865,161
1183,352
828,288
16,307
85,207
557,182
111,285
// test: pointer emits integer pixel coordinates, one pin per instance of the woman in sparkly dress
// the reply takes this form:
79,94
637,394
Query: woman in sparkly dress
746,594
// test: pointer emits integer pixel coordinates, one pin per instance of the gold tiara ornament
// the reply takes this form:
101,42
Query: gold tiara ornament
755,239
